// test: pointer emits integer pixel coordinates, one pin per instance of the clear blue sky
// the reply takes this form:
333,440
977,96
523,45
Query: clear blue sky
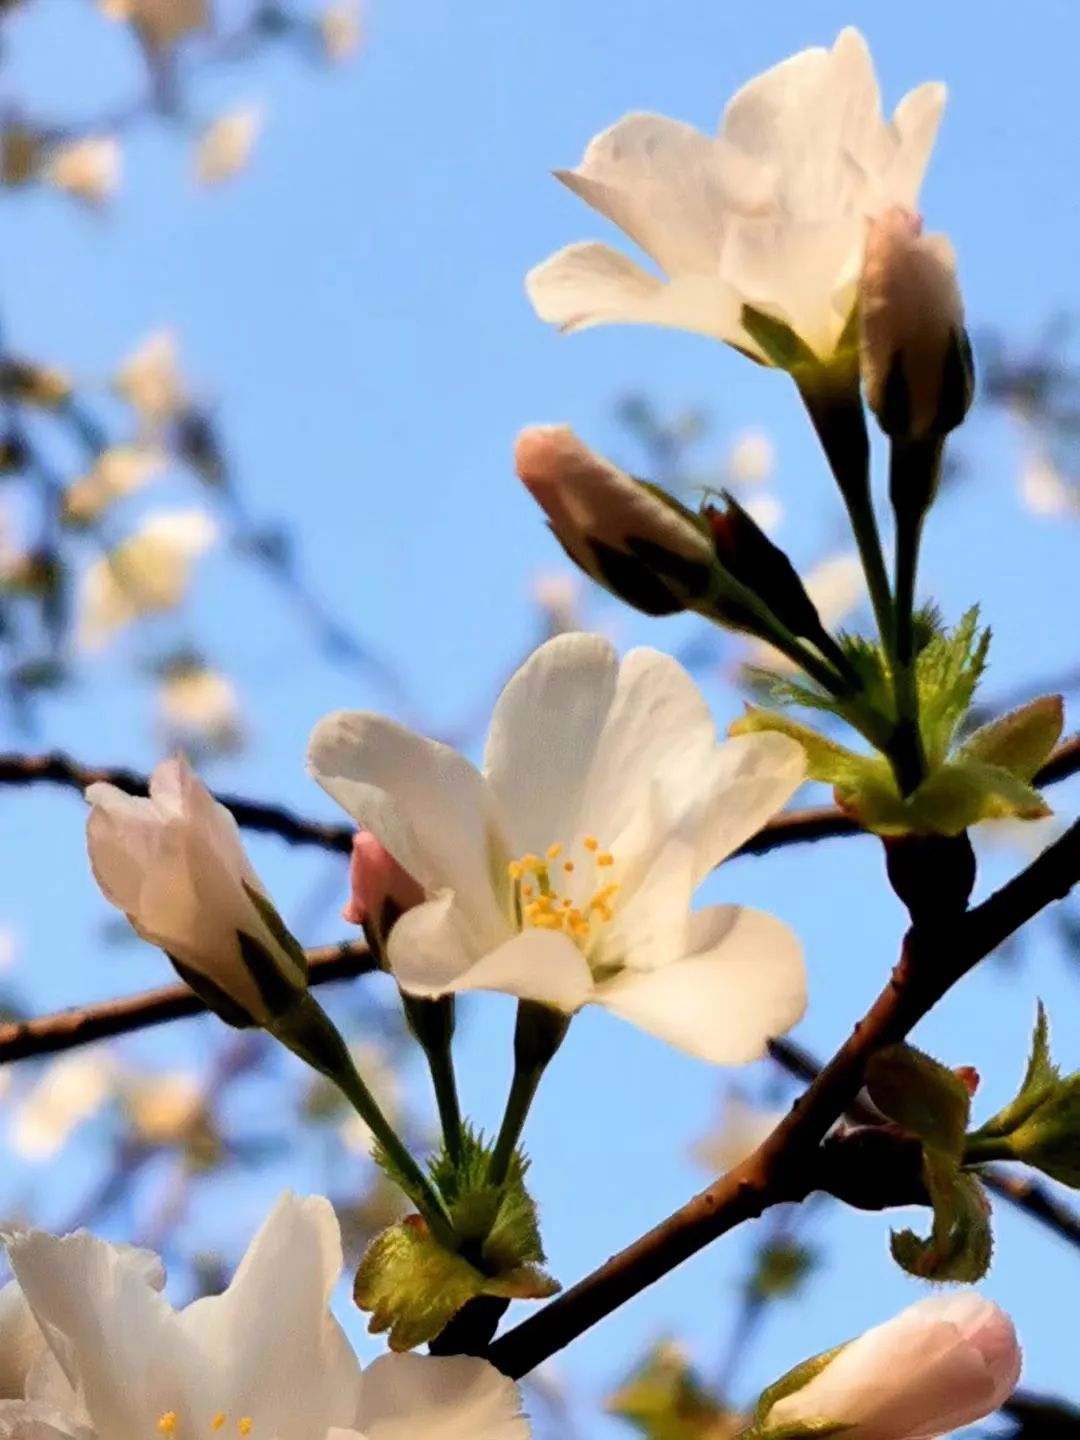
355,302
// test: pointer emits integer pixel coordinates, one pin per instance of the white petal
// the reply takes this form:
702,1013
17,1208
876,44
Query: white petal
287,1357
540,965
669,187
36,1420
544,735
743,983
440,1398
424,801
21,1342
748,785
431,946
914,129
591,284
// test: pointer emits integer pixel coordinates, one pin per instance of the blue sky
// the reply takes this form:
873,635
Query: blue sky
354,303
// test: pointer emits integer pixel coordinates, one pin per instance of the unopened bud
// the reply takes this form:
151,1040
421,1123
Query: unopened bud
914,352
640,544
379,884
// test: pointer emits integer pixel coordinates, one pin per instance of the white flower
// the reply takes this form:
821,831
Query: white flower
1044,489
175,864
340,30
769,214
226,145
88,169
150,379
263,1359
147,573
115,473
911,315
765,510
163,1108
939,1365
160,23
564,872
741,1130
557,594
71,1090
750,460
195,702
835,585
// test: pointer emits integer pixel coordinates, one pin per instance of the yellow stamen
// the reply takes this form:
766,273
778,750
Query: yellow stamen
554,851
167,1423
244,1424
514,870
606,859
591,843
568,866
531,862
528,891
218,1421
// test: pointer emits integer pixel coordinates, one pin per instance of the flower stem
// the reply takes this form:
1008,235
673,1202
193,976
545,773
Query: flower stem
981,1151
835,407
538,1034
309,1033
432,1023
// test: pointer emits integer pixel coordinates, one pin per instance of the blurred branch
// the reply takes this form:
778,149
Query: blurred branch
795,827
937,952
1028,1195
66,1029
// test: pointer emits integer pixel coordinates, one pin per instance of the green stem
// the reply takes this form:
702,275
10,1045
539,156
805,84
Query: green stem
432,1023
835,407
309,1033
537,1036
982,1150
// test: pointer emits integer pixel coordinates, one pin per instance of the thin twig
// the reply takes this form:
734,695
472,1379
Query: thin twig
933,959
66,1029
794,827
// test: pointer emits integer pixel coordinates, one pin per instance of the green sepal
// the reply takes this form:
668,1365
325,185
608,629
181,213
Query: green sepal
213,996
276,925
413,1287
960,1243
826,761
1040,1079
279,989
922,1095
778,342
1021,741
794,1379
499,1219
665,1399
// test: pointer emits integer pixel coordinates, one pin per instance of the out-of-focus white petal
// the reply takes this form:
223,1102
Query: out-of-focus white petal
71,1090
88,169
226,145
454,1397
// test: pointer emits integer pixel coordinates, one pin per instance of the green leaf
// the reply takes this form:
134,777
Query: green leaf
664,1399
825,759
502,1218
960,1243
1020,741
1040,1078
948,671
780,1268
1049,1138
922,1095
414,1288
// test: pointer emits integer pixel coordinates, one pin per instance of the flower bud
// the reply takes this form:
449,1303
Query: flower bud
940,1364
175,865
913,349
381,888
640,544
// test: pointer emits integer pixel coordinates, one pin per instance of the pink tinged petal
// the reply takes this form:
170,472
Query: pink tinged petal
543,739
941,1364
540,965
742,983
375,878
590,284
290,1367
426,803
669,187
444,1398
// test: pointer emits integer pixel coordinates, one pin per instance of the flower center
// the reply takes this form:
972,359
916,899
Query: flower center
557,892
169,1423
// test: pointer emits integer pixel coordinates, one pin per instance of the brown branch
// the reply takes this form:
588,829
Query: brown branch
1021,1191
794,827
934,957
66,1029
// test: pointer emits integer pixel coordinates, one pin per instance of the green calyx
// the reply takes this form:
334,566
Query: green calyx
414,1283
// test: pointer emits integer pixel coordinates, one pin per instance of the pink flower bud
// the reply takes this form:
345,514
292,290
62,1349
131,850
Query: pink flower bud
940,1364
377,878
643,547
914,353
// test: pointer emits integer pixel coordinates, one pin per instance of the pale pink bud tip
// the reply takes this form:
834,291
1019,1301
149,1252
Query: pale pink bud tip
547,455
376,877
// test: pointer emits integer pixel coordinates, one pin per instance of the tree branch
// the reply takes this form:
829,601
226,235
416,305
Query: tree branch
794,827
1021,1191
933,958
66,1029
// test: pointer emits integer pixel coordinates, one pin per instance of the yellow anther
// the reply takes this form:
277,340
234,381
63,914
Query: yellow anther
579,927
605,859
554,851
568,866
567,904
528,891
591,843
531,862
514,870
244,1424
218,1421
167,1423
